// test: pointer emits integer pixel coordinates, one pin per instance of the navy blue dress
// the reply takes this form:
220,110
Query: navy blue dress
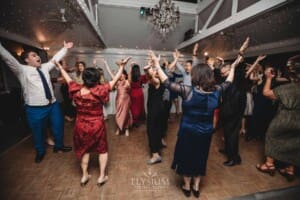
196,128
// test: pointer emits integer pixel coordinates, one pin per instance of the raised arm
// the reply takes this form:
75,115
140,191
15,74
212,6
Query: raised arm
180,89
267,91
258,59
63,72
155,59
232,69
121,65
244,46
11,61
172,65
195,50
59,55
237,60
149,71
108,69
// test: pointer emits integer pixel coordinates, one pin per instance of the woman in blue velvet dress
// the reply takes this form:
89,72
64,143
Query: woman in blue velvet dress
196,128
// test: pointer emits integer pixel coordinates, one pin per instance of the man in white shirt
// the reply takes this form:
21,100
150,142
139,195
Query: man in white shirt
187,68
40,102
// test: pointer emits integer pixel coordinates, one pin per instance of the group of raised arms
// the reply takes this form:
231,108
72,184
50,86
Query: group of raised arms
213,95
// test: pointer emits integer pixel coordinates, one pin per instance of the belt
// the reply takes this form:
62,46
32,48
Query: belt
49,104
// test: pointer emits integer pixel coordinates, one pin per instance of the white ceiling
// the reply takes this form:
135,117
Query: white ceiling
124,27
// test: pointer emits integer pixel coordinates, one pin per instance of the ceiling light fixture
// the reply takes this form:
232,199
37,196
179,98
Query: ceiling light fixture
164,16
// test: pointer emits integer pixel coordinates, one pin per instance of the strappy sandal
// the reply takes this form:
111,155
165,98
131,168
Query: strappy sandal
288,174
266,168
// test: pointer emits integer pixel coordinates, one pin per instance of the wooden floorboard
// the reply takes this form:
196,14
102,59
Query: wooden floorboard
58,176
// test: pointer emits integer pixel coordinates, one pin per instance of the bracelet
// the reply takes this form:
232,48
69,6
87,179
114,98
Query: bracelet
194,54
241,54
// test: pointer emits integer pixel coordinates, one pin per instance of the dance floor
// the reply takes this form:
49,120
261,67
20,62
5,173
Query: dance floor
58,176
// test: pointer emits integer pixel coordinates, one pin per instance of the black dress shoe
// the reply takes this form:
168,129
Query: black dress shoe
39,157
62,149
196,193
186,192
230,163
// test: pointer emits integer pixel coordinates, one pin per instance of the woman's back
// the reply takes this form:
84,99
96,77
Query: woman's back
289,96
198,111
90,104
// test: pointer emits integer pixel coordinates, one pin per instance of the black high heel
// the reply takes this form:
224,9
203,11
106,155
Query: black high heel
289,177
186,192
196,193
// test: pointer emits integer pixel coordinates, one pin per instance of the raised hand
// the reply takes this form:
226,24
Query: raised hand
68,45
245,45
261,57
154,58
176,54
103,60
196,47
269,73
125,61
94,62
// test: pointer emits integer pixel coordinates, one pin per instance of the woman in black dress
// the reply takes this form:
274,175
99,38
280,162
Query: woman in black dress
156,116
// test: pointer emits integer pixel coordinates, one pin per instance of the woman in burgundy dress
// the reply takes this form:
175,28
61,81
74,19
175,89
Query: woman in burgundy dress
136,94
123,115
89,132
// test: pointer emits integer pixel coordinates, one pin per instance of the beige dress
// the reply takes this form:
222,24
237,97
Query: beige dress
123,114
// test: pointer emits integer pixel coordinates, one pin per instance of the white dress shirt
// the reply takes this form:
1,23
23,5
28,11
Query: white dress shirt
187,80
33,90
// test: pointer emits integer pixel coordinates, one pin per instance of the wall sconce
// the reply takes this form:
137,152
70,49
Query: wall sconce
19,51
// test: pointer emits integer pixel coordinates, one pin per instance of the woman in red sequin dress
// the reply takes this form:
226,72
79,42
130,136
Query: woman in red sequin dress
89,130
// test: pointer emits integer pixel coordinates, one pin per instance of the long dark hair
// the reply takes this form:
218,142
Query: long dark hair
90,77
135,73
125,74
203,76
77,67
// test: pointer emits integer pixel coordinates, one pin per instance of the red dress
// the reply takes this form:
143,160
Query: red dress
89,130
137,100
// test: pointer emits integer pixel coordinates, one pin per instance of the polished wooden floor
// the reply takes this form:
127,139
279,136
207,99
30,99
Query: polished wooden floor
58,176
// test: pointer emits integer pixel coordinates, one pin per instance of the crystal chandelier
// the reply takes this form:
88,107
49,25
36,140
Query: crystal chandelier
165,17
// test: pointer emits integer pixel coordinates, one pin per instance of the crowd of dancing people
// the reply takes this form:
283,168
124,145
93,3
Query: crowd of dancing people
243,99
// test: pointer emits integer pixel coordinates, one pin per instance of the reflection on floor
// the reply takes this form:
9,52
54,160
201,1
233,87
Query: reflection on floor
58,176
